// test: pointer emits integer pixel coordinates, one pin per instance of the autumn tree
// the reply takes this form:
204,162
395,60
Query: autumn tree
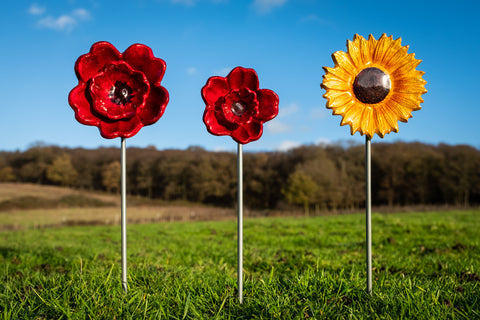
141,177
300,189
111,175
61,171
7,174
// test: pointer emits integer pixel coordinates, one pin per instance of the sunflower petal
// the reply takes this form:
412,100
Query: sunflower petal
354,51
334,83
398,106
392,52
342,60
410,85
338,99
353,117
407,65
397,58
338,73
367,122
386,117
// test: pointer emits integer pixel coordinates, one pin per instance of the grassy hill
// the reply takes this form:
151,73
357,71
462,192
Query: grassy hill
38,206
36,196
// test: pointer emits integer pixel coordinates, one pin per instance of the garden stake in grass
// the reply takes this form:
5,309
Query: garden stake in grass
123,204
368,211
373,86
119,93
240,221
235,106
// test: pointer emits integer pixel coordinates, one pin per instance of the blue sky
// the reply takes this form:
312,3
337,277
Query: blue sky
286,41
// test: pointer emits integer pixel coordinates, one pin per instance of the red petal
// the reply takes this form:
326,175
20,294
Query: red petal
90,64
140,57
243,78
155,106
267,104
215,88
124,129
212,123
247,133
80,104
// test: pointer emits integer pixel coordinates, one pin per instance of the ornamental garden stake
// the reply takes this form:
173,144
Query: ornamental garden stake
373,86
235,106
119,93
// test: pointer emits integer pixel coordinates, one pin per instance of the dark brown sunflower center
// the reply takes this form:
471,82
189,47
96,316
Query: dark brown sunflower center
120,93
371,85
238,109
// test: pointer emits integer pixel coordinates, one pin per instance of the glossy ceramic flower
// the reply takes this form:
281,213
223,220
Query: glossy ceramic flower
374,85
118,93
235,105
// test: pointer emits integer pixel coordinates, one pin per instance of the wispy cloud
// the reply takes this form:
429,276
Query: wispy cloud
288,110
36,9
64,22
191,70
276,127
185,2
318,113
315,19
287,145
323,141
190,3
81,14
265,6
222,72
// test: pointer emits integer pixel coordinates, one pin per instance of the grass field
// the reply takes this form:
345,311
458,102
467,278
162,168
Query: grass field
426,266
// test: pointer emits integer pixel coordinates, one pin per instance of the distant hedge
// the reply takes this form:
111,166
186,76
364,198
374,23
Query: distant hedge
327,176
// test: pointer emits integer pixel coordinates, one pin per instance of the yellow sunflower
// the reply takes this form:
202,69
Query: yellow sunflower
374,85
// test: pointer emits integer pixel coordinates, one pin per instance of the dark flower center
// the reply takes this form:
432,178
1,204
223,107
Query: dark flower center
371,85
120,93
238,108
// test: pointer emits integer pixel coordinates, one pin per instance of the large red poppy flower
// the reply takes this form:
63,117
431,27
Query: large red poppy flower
118,93
235,105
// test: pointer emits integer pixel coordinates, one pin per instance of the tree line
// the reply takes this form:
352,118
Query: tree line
326,177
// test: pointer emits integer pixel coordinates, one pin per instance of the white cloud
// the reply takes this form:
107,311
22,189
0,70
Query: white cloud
185,2
190,3
265,6
36,10
64,22
81,14
318,113
223,72
288,110
323,141
313,18
191,70
276,126
287,145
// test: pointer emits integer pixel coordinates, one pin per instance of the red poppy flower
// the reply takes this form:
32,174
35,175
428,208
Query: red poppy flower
118,93
235,106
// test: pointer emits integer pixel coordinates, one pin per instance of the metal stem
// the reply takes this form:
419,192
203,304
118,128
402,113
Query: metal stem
123,188
368,215
240,222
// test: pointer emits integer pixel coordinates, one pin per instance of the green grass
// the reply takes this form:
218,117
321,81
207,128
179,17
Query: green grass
426,266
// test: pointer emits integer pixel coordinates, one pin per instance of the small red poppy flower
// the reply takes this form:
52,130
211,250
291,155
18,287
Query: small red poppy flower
235,105
118,92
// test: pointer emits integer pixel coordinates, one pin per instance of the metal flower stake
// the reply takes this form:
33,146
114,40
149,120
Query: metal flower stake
373,86
235,106
119,93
